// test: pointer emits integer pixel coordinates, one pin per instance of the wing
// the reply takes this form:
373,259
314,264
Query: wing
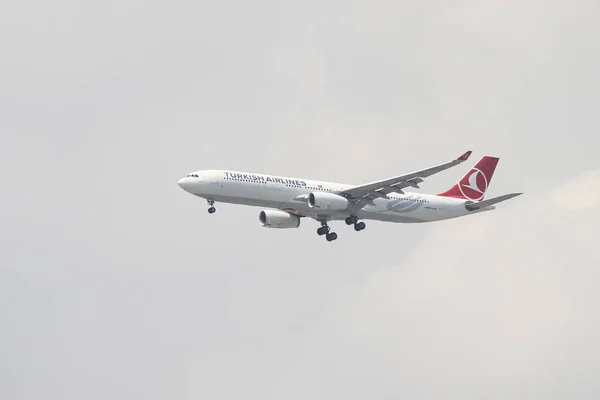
373,190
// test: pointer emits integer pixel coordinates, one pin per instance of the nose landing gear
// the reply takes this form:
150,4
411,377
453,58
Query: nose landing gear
211,203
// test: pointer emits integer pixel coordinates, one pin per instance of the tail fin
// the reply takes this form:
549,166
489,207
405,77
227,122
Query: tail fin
473,185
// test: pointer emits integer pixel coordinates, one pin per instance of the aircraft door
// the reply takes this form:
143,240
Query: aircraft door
214,178
441,206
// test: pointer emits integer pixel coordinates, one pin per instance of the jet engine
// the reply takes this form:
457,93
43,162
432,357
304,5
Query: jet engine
327,201
278,219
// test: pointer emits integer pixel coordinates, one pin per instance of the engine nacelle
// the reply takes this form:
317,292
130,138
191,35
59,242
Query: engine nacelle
327,201
278,219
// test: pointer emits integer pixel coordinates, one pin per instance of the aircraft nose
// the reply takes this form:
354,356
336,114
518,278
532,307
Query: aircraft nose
185,184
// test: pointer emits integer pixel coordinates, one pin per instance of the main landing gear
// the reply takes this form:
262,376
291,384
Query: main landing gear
325,230
353,219
211,203
330,236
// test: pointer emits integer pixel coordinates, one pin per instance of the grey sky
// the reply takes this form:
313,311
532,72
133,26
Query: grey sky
116,283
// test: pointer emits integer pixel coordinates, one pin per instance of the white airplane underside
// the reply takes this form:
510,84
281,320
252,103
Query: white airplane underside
287,200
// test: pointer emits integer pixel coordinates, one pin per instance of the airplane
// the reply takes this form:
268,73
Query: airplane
290,199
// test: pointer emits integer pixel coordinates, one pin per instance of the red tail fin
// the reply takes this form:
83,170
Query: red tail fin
473,185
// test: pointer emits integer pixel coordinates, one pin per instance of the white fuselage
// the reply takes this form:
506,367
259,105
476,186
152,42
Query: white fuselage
290,194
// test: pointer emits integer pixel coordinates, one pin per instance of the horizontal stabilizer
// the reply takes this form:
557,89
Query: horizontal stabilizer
490,202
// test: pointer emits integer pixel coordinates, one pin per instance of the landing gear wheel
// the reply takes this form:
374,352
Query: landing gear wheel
212,210
359,226
331,236
351,220
323,230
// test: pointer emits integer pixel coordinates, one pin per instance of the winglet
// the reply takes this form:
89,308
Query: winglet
465,156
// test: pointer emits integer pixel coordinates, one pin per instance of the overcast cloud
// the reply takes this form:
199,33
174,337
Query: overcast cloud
114,283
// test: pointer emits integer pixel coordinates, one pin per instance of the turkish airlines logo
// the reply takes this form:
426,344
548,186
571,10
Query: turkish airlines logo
476,186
